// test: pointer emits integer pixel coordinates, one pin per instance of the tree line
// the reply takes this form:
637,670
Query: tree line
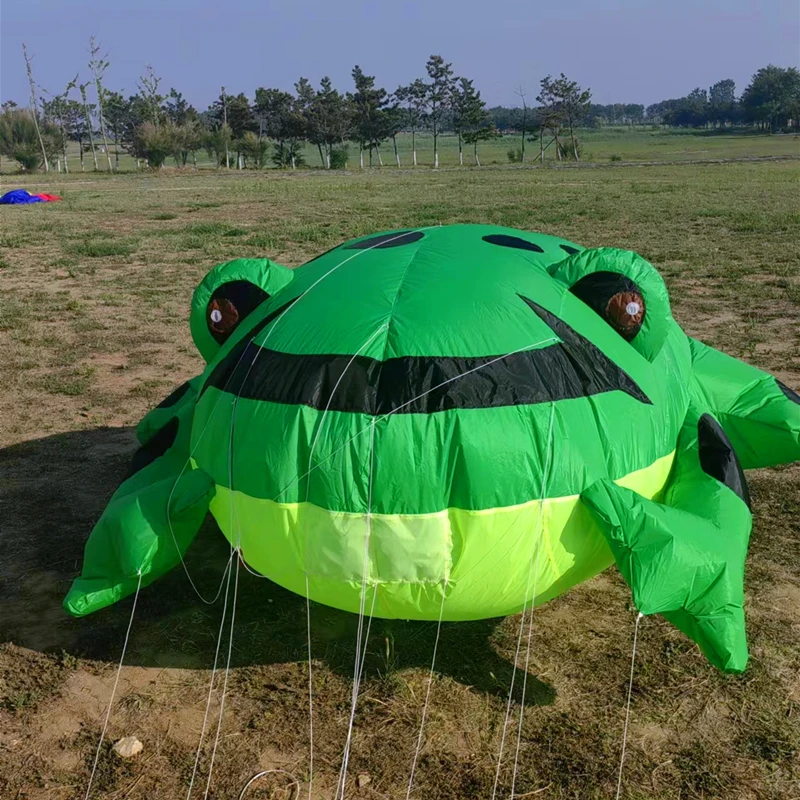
276,126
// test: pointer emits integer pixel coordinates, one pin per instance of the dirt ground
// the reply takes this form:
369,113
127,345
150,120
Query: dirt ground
94,332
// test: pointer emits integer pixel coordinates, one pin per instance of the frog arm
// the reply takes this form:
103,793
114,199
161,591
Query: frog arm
176,403
684,557
760,415
149,522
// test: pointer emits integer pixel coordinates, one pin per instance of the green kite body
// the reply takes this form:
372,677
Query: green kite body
453,421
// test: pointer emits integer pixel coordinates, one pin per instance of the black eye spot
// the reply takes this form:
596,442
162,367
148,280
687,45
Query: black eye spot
385,240
567,249
790,394
229,305
512,241
718,458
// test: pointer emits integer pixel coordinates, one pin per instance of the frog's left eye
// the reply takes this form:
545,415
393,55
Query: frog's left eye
229,304
616,298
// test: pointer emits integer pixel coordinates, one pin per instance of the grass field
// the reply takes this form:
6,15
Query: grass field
94,331
598,146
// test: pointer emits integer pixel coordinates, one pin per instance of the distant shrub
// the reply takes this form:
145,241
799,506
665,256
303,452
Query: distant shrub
19,140
339,157
153,143
515,155
288,154
615,157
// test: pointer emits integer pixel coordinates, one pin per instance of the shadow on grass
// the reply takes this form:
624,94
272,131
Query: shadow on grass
53,489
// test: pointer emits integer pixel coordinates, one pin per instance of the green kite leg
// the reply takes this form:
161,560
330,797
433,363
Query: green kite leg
151,519
760,415
684,557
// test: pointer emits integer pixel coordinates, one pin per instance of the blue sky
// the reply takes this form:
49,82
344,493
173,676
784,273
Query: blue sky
625,50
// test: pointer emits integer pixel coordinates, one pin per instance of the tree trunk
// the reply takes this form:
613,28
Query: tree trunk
378,151
80,149
105,138
558,145
116,151
435,149
541,144
361,154
396,154
321,156
460,151
574,143
414,145
522,159
477,160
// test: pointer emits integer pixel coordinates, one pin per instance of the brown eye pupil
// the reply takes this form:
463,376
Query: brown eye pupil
625,312
222,315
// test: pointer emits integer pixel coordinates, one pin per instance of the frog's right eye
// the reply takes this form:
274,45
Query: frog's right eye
623,289
616,298
229,305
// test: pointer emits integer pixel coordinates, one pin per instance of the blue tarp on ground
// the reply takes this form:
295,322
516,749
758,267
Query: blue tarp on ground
18,197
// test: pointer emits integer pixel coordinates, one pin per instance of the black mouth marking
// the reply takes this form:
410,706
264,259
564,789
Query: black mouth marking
565,370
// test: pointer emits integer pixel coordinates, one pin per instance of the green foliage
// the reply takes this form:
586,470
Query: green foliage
153,143
773,97
515,155
288,154
217,144
19,140
253,149
338,157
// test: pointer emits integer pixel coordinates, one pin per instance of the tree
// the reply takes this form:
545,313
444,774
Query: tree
468,115
97,66
412,100
253,150
117,114
34,108
477,125
55,110
524,122
274,109
370,124
25,139
330,120
177,108
154,142
549,98
148,91
773,97
721,102
87,114
437,98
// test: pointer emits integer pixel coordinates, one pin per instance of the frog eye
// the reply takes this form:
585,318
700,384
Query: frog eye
229,304
616,298
623,289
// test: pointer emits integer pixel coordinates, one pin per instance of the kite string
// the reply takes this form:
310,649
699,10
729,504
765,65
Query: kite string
628,707
539,533
535,540
362,601
427,694
228,571
224,683
114,689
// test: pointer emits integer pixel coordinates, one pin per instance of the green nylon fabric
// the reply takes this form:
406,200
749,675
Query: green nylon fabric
452,497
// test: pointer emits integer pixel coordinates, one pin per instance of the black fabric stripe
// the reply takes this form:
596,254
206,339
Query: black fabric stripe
155,447
426,384
173,398
790,394
567,249
718,458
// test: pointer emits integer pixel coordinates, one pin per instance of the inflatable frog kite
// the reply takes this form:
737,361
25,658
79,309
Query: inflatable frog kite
454,421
